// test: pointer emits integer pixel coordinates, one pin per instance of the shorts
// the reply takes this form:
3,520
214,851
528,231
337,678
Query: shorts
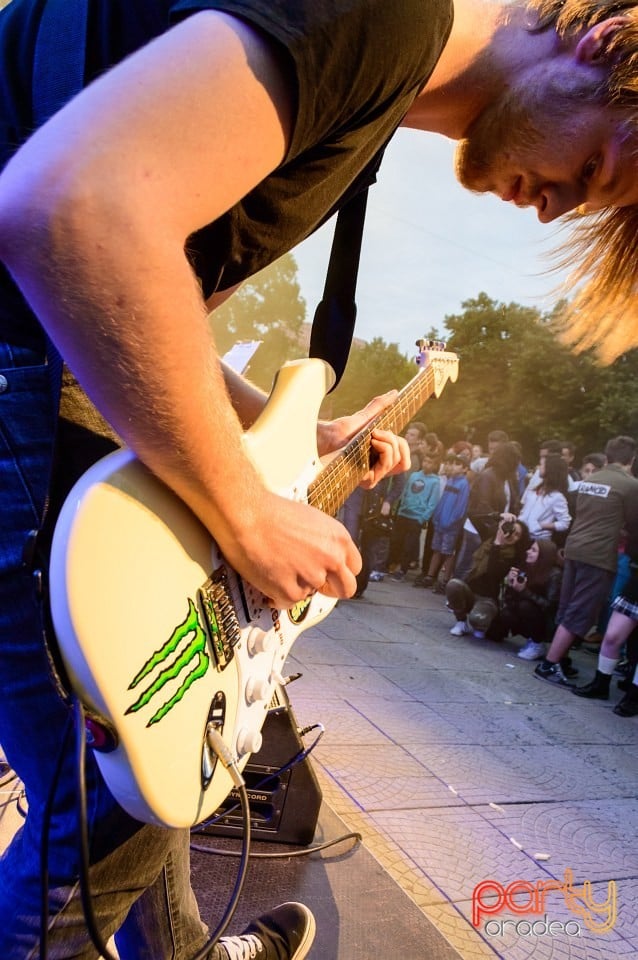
444,541
584,591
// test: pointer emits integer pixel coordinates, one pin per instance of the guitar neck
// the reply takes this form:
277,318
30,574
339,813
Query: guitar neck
335,483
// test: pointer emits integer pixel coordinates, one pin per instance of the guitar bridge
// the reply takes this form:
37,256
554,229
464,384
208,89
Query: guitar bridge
219,611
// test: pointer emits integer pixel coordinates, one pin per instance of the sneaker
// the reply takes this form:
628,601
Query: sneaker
398,577
419,581
460,629
532,651
598,689
568,669
553,673
438,587
376,576
286,933
628,706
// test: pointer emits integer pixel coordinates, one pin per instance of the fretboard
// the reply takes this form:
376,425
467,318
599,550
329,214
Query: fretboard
334,485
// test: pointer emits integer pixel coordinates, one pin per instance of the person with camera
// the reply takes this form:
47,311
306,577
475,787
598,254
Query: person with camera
529,599
494,492
475,601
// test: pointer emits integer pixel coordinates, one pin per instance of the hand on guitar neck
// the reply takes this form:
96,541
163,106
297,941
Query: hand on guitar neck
294,549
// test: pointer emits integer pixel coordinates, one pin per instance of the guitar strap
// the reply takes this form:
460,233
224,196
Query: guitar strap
58,74
335,316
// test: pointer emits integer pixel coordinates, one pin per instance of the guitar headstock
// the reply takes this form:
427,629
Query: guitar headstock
444,365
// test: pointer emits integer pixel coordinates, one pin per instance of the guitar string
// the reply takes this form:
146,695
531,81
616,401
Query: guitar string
340,477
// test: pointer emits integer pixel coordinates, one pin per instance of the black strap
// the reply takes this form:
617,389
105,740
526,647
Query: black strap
58,74
333,324
58,66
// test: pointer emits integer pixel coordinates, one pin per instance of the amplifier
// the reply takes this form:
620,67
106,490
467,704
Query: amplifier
284,808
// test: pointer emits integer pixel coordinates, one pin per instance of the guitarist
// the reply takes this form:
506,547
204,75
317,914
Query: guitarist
212,136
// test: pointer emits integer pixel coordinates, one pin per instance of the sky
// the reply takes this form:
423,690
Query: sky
429,245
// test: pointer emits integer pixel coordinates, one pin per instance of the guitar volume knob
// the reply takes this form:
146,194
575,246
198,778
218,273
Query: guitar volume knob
259,641
257,690
249,741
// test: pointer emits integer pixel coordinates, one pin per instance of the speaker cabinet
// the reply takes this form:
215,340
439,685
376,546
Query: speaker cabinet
284,807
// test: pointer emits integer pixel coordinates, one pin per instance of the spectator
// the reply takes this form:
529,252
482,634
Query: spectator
521,470
622,623
494,492
376,528
460,446
447,521
530,599
544,508
415,434
479,595
494,439
590,463
435,448
415,508
604,505
568,453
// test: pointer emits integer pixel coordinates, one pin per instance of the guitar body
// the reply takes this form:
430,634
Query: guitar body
167,647
161,639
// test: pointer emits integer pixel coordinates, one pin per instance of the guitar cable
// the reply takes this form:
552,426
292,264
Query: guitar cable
44,842
307,851
299,757
230,762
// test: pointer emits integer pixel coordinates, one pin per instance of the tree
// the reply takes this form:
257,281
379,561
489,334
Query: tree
268,307
517,376
373,369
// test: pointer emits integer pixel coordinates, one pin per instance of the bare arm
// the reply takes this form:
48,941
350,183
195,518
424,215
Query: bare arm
94,213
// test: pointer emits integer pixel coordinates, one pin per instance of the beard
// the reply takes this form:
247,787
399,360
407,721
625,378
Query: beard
513,129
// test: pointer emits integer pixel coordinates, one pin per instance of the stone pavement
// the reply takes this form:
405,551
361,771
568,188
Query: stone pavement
458,766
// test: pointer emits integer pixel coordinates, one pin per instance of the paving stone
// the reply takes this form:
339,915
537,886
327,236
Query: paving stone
599,837
383,777
468,715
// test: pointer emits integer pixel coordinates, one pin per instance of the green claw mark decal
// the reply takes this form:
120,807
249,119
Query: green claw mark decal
193,652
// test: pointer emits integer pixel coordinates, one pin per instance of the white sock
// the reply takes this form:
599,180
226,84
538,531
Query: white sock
606,664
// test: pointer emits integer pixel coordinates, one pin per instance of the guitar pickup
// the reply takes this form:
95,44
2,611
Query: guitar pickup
221,619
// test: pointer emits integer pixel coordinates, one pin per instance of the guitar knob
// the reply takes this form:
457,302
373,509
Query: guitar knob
259,641
249,741
257,690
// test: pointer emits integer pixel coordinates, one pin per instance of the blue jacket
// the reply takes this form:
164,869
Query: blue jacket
451,509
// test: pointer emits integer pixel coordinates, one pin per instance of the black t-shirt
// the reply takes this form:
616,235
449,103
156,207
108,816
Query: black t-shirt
357,66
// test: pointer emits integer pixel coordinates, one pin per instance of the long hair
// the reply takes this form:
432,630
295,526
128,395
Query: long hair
602,249
538,573
555,474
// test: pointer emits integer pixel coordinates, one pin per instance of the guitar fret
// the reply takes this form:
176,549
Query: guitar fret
336,482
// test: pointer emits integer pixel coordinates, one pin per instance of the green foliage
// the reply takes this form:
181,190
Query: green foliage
515,375
268,307
373,369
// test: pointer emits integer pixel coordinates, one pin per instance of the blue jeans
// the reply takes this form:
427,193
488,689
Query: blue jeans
139,875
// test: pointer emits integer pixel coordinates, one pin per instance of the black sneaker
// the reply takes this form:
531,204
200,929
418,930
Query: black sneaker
628,706
553,673
568,669
286,933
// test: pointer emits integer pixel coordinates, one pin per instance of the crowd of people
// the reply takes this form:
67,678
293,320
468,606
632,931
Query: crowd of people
549,555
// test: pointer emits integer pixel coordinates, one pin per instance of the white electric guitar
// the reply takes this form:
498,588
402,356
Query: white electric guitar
161,639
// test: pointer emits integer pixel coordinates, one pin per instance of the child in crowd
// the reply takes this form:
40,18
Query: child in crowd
416,506
447,520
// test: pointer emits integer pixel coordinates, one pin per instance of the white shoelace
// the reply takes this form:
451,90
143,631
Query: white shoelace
246,947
